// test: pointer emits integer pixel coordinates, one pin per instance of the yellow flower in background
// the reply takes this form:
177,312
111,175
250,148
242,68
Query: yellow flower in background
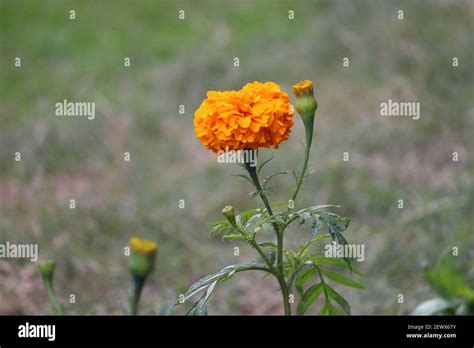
143,246
258,115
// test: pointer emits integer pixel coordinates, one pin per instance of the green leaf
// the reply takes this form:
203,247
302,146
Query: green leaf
315,208
316,226
222,275
200,307
341,279
323,260
244,177
447,280
308,298
267,229
233,236
341,301
268,245
254,194
304,277
244,217
329,309
304,216
221,228
335,231
337,222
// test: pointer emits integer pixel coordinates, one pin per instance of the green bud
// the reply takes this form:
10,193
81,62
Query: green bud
142,258
229,213
306,106
47,269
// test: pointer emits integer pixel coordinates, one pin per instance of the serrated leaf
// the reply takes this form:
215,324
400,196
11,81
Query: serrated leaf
302,220
222,275
336,236
341,279
200,308
329,309
254,194
323,260
318,207
268,245
308,298
221,227
304,277
267,228
251,221
341,301
268,190
244,217
244,177
233,236
316,226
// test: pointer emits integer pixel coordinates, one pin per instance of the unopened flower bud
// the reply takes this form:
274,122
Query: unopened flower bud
142,258
306,106
47,269
229,213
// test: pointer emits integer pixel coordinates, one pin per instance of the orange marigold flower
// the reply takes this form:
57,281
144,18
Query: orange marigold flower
258,115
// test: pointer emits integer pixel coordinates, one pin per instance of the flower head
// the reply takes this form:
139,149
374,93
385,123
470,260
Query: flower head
258,115
142,258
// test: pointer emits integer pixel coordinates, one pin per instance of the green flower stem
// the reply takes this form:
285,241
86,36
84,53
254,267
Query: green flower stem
309,139
52,297
279,231
253,175
284,287
138,283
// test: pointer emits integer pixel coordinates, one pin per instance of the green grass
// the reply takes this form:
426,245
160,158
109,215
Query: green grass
175,62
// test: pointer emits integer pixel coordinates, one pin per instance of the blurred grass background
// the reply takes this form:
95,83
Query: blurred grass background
175,62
